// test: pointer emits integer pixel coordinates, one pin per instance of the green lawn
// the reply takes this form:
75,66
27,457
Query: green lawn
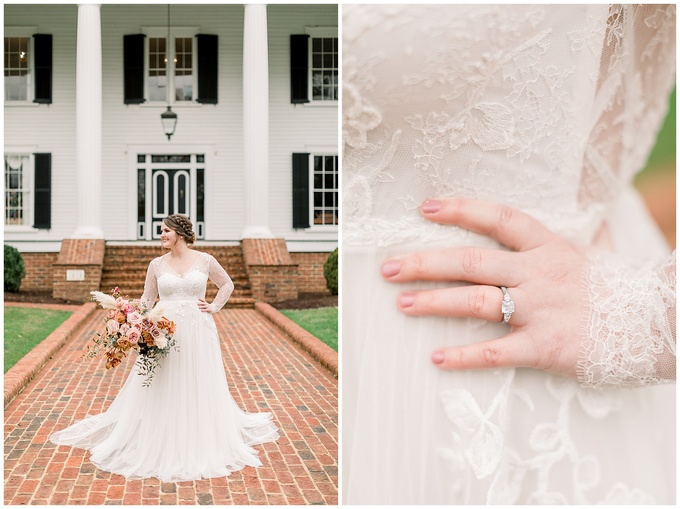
26,327
321,322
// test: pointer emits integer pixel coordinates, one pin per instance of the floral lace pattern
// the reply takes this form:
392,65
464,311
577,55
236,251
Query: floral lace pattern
491,99
630,338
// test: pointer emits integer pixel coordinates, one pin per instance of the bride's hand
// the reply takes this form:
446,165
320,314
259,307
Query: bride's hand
205,307
543,274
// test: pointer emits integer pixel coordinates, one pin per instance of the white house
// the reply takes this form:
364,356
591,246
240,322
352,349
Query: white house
253,158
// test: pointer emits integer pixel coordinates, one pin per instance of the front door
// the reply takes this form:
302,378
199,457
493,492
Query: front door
169,184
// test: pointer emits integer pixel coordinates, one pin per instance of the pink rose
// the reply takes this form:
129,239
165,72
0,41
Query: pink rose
120,302
111,313
128,309
133,335
146,323
134,318
124,328
156,333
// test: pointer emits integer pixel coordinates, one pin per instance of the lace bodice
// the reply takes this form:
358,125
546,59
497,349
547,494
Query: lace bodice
550,109
162,279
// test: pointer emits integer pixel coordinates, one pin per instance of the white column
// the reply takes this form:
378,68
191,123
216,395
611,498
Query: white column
256,122
89,122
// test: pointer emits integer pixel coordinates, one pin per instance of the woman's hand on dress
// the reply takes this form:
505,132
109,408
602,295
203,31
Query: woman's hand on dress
543,274
205,307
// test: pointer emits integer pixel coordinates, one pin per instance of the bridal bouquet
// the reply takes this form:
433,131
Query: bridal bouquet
131,326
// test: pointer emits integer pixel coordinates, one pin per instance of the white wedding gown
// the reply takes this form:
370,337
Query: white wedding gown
185,425
552,110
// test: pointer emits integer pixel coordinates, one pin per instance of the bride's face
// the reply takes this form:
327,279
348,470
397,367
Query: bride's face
169,237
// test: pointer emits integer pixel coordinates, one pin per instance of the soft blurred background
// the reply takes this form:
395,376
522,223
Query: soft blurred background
657,181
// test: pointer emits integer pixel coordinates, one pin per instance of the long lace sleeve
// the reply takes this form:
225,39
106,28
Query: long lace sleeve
631,336
150,286
219,276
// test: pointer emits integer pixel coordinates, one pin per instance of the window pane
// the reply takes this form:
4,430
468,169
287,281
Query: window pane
328,180
16,68
15,200
318,199
141,195
324,67
200,192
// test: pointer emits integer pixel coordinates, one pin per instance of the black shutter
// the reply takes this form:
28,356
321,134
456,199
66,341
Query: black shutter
42,58
43,191
299,68
207,69
133,66
300,190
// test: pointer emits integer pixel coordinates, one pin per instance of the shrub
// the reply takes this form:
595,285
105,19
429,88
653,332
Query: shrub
330,272
14,269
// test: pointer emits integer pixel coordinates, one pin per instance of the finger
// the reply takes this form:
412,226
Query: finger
513,350
509,226
467,301
472,264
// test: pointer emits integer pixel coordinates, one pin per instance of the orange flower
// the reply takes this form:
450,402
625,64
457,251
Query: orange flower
120,317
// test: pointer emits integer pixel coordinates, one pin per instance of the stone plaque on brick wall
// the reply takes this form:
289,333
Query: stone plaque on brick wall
75,275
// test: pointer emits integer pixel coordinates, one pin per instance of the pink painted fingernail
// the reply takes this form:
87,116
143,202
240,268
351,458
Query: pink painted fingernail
406,300
391,268
437,357
431,206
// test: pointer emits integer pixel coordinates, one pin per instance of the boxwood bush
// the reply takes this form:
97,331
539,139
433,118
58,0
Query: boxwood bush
330,271
14,269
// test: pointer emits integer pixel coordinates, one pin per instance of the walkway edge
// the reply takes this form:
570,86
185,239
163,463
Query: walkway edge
323,353
18,376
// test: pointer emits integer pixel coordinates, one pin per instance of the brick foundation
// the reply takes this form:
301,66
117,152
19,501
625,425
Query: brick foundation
272,273
78,254
38,271
310,277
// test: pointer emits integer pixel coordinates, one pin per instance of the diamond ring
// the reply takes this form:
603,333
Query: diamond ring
507,306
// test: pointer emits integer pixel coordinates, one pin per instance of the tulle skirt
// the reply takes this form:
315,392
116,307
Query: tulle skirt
186,425
416,434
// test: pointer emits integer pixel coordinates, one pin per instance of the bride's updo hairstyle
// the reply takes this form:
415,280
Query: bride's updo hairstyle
182,226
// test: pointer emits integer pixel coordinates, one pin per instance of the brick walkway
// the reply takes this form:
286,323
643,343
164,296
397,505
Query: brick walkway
265,371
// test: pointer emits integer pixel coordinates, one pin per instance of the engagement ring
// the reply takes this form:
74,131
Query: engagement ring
507,306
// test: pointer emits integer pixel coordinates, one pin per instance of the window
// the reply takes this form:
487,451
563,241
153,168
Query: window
314,66
28,67
324,191
191,75
17,186
17,68
178,77
324,68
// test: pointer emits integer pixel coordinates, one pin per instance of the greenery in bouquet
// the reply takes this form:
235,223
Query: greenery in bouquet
131,326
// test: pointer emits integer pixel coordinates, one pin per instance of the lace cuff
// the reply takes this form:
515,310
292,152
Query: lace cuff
219,276
630,338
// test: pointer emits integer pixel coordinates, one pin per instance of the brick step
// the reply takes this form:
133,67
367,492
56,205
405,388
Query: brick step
126,266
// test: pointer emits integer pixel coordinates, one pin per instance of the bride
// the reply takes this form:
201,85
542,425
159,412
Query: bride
489,222
185,425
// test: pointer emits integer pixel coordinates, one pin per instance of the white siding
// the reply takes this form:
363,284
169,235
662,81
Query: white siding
293,128
50,127
127,129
